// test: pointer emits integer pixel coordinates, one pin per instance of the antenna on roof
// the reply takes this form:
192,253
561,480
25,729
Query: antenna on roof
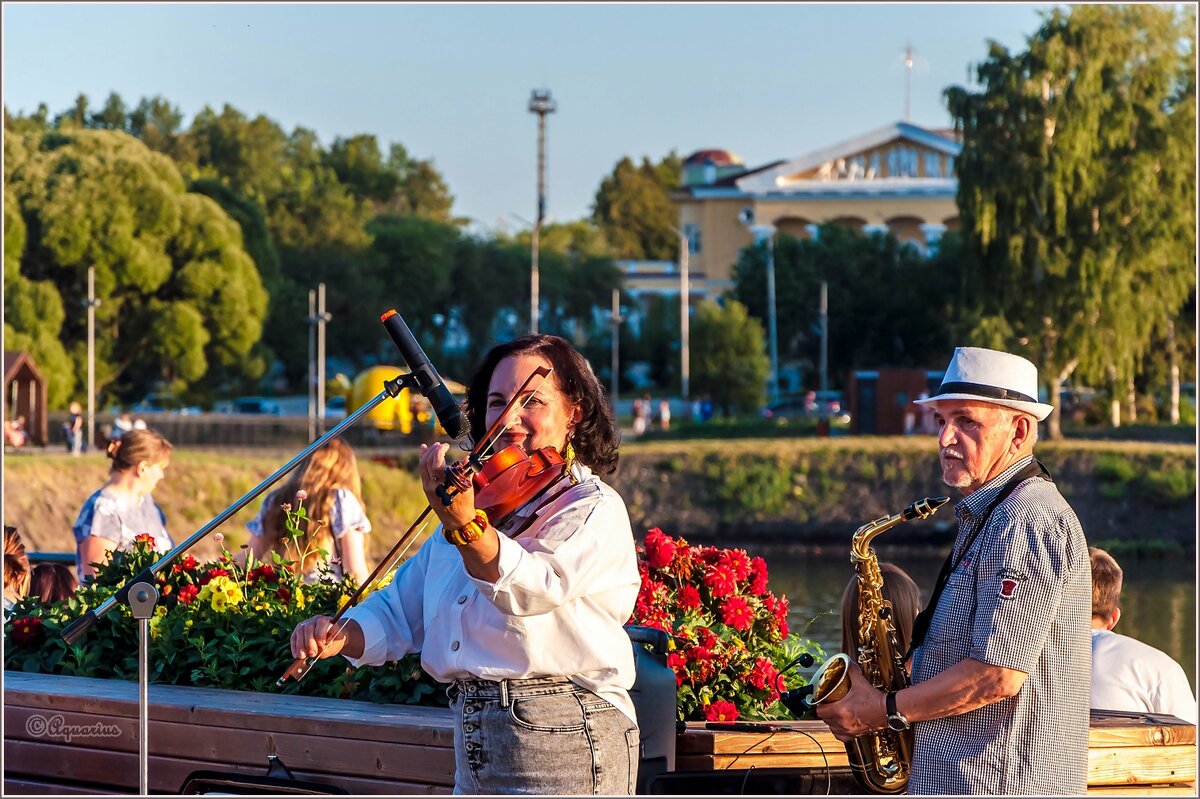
908,67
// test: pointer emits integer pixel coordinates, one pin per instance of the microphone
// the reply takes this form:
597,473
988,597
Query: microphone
429,383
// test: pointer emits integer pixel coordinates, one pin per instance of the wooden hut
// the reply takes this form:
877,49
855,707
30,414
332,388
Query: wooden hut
25,394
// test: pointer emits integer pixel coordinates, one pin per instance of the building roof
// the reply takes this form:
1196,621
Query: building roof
14,360
768,179
713,156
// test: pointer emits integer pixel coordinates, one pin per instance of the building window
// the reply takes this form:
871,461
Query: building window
874,173
858,167
933,165
902,162
692,232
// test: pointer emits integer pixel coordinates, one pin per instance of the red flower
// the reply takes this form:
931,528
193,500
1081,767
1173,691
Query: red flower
688,597
284,593
212,573
736,612
720,580
738,563
144,538
28,631
187,593
781,614
721,711
758,576
763,675
266,573
660,549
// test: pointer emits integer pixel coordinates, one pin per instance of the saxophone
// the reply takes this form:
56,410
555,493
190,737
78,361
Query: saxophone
880,760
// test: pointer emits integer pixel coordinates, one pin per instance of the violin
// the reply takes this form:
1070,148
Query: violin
503,482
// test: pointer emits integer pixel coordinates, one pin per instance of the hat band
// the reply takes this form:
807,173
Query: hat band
992,392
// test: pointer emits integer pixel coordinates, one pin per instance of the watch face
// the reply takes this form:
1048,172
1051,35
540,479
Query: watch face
897,723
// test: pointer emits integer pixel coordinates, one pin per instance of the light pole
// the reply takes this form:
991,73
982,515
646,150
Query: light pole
685,290
767,232
541,104
90,303
824,337
614,320
317,319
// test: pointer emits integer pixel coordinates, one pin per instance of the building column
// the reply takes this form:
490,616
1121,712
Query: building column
814,231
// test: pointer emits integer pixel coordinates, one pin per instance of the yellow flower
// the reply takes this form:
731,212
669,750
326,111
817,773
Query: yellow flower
154,623
385,580
222,592
299,598
219,602
342,600
187,625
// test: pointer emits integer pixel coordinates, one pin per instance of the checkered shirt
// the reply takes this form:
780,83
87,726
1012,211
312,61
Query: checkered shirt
1021,598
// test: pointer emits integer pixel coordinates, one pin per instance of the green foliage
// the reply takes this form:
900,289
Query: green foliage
729,360
888,304
748,487
1114,468
634,209
1170,484
179,294
1077,188
217,625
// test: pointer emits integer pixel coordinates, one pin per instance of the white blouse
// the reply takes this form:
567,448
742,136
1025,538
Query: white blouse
567,586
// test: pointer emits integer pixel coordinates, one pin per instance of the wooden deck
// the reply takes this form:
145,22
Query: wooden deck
91,743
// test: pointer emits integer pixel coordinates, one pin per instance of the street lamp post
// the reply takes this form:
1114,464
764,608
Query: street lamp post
317,319
685,289
767,232
824,337
91,304
615,321
541,104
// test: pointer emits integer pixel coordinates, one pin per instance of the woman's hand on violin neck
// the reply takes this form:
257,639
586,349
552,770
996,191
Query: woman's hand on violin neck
432,469
318,637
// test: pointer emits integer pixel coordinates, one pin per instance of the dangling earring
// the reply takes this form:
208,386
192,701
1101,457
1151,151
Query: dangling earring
569,457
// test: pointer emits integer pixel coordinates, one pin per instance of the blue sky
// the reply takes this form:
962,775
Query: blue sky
451,82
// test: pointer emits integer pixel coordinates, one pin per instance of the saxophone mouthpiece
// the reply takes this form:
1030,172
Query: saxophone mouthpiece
924,508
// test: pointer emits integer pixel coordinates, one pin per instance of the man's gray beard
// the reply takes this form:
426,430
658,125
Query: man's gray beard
964,480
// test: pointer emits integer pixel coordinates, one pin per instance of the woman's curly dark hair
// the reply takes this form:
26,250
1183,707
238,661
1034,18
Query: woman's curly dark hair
596,438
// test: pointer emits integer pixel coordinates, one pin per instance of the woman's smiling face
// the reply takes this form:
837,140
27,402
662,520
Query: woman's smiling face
548,416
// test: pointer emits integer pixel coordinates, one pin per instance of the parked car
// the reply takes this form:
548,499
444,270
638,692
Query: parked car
252,405
813,405
162,403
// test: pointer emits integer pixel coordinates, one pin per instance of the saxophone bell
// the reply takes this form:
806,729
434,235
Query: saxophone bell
832,681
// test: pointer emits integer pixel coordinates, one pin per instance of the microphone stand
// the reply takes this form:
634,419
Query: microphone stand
140,595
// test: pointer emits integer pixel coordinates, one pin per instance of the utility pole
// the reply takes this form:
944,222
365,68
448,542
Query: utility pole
685,292
91,304
615,321
824,336
317,319
541,104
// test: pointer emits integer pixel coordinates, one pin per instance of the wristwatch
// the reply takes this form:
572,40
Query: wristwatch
895,719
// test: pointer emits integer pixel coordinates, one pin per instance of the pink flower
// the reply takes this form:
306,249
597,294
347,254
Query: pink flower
218,537
301,495
721,711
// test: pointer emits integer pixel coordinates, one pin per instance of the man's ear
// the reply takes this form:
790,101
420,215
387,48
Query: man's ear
1113,619
1023,428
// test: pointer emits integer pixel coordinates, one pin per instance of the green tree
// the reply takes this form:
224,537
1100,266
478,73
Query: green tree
421,190
179,293
634,209
113,116
729,357
1077,189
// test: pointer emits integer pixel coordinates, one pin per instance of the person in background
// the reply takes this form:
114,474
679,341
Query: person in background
121,425
52,582
526,621
74,428
332,485
1126,673
1002,658
641,410
124,506
14,432
16,569
899,589
664,414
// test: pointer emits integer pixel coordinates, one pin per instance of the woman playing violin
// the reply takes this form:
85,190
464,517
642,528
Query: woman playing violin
525,621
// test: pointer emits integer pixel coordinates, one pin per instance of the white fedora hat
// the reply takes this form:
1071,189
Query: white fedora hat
1000,378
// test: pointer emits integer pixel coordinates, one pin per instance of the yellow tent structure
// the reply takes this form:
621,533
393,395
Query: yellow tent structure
393,414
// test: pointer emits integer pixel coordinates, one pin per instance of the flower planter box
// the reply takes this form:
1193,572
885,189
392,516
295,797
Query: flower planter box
402,749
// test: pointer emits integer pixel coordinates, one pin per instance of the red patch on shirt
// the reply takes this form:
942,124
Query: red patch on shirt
1009,581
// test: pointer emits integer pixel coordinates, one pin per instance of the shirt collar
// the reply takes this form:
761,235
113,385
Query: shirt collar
975,503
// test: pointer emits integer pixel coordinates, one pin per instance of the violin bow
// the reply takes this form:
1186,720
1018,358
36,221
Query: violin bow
302,665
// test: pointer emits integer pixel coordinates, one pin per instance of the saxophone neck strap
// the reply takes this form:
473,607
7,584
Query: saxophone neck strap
921,624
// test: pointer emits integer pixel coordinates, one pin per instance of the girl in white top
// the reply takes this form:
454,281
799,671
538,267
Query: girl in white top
333,487
124,506
526,622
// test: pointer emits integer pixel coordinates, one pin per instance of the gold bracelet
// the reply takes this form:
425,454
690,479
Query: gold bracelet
470,532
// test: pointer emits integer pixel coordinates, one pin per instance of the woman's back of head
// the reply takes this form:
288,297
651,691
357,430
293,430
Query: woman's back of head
136,446
899,589
52,582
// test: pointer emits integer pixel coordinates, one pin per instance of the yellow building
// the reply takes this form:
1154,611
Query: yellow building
899,178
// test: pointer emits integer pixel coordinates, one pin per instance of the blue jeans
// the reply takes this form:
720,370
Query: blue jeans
543,735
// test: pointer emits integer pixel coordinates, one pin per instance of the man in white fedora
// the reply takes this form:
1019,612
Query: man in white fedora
1002,654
